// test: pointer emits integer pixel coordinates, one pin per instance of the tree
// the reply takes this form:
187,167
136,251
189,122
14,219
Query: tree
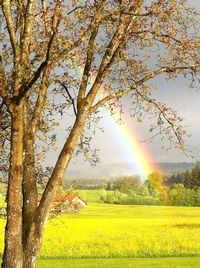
109,186
191,179
175,178
181,196
78,56
127,183
154,183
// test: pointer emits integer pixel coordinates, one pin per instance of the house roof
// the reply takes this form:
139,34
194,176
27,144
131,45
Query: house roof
59,198
69,197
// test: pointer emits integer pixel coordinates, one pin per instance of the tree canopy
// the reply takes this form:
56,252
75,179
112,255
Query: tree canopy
76,57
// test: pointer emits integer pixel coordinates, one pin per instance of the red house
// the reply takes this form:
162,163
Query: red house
69,202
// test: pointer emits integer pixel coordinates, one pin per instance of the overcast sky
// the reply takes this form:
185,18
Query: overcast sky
113,149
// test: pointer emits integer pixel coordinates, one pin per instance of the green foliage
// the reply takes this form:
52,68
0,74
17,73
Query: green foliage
131,198
151,188
143,190
109,186
177,195
120,262
180,196
127,183
154,183
115,197
191,179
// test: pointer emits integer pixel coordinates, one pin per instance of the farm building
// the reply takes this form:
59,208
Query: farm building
69,202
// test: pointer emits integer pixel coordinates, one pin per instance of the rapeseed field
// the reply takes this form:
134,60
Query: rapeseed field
119,231
113,231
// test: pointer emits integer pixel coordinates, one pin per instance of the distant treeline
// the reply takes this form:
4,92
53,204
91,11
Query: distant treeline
189,179
88,183
178,190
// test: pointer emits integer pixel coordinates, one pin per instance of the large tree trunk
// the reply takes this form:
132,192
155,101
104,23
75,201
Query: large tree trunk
34,219
13,252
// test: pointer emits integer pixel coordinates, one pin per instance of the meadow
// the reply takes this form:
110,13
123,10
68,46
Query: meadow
185,262
111,231
116,234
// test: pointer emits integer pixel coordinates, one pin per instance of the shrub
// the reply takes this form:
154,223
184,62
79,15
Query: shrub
131,198
181,196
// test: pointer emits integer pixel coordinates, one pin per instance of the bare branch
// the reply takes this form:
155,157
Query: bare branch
6,6
162,112
40,100
158,35
90,53
29,18
3,82
138,83
116,42
74,9
70,96
27,86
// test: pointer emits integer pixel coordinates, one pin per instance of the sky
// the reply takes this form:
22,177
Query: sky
113,147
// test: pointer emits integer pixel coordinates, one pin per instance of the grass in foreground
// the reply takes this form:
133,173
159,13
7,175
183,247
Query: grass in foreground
119,263
102,231
118,231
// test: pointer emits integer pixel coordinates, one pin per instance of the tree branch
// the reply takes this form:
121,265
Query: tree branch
116,41
162,112
6,6
74,9
40,100
70,96
89,58
26,87
29,18
3,82
138,83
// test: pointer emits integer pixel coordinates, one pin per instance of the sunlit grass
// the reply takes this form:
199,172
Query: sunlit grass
185,262
103,230
119,231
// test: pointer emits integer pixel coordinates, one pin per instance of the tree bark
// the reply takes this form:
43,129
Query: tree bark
29,189
13,252
25,247
31,246
34,239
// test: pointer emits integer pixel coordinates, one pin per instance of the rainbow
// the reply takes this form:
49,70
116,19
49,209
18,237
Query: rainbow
138,154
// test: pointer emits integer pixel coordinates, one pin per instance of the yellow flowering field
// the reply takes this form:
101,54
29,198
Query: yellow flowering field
111,231
103,230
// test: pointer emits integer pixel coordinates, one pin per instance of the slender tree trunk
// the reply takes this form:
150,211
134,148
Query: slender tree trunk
31,246
33,238
13,252
29,189
29,185
62,163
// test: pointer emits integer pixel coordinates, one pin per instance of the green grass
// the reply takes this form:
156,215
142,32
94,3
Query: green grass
120,263
91,196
